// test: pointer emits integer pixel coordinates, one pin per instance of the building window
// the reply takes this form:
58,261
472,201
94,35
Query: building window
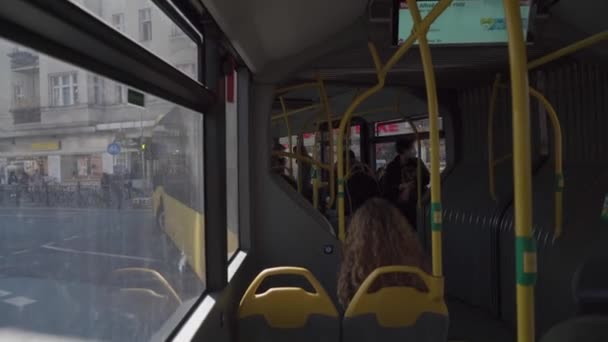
64,89
18,93
97,90
145,24
119,94
118,21
188,69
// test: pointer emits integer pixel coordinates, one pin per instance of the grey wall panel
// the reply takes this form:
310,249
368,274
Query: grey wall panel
286,229
578,93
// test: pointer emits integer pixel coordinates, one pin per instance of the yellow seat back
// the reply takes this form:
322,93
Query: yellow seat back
286,307
398,306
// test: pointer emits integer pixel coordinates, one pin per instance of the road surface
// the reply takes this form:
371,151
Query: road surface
58,279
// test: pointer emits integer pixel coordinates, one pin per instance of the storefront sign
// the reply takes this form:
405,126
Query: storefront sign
46,146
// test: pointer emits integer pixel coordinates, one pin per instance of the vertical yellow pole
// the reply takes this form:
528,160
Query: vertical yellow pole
330,133
286,118
419,165
431,92
525,249
299,145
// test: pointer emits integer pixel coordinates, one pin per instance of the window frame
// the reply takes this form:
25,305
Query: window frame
145,31
61,31
120,26
72,86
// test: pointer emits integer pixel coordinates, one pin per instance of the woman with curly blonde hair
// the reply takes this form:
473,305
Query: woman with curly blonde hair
379,235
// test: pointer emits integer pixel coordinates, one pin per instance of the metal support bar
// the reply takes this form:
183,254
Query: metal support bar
582,44
419,164
559,173
431,92
289,137
381,71
522,174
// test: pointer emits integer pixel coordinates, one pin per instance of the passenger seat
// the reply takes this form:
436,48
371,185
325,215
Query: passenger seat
289,314
397,313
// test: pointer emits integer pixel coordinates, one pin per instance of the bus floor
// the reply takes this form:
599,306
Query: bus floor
473,325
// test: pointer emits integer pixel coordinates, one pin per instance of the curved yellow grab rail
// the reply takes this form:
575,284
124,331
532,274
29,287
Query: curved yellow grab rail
381,72
582,44
493,98
559,172
330,133
155,274
316,173
293,112
559,175
289,137
296,87
302,158
419,165
525,250
271,304
431,93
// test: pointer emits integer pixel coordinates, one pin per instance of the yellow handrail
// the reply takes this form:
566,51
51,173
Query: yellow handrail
286,118
559,173
330,132
557,133
299,146
316,172
525,250
381,75
296,87
302,158
293,111
431,93
491,137
594,39
155,274
419,164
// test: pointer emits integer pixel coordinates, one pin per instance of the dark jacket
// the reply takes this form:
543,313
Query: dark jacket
396,174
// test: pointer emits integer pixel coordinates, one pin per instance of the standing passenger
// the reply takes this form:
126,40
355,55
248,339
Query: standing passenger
399,183
378,235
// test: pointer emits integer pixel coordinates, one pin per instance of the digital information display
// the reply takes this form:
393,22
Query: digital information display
464,22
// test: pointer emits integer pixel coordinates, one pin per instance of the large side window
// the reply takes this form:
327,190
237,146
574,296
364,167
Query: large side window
151,27
145,24
387,132
232,157
102,190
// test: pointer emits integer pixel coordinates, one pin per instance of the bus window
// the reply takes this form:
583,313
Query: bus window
101,202
146,24
232,157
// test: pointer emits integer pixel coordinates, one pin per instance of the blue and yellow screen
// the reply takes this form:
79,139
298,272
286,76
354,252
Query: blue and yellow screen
464,22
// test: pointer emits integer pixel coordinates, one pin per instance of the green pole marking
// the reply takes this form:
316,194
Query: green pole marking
525,259
559,182
436,221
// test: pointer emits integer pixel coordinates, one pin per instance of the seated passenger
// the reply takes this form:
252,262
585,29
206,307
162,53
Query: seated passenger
378,235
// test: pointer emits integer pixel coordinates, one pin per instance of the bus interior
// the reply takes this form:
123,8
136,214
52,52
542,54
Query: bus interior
235,234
